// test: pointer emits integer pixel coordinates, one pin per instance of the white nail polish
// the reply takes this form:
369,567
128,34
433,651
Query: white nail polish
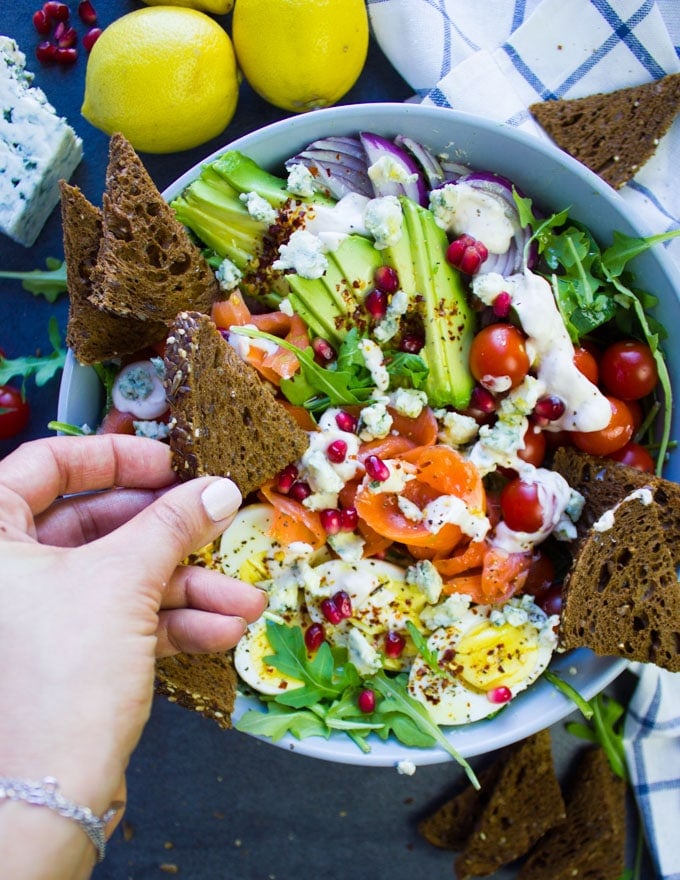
221,499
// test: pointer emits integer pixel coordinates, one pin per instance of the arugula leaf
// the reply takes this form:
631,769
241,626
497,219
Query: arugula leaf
569,692
605,729
279,720
67,428
50,283
420,642
41,367
625,247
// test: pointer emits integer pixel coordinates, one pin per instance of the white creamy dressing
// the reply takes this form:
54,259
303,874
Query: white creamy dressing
606,521
549,348
462,209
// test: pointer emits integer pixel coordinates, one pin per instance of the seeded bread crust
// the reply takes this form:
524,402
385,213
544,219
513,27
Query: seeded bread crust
203,683
93,334
614,134
147,268
224,422
591,842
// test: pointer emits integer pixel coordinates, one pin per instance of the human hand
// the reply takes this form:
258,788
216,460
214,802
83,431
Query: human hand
91,590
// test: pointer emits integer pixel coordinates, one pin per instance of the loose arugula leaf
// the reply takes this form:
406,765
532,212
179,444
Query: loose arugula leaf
41,367
606,729
50,283
570,692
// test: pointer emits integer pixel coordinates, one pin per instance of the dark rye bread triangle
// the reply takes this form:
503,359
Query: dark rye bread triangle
92,334
224,421
526,801
621,596
613,133
204,683
603,483
591,842
148,267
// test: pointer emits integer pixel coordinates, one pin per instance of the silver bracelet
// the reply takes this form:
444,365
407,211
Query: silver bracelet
46,794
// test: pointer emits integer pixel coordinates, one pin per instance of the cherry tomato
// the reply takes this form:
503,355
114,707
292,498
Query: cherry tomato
636,411
611,438
628,369
635,456
520,506
541,574
14,412
586,363
534,447
551,600
498,350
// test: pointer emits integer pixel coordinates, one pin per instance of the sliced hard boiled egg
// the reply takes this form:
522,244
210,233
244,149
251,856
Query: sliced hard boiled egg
486,659
251,666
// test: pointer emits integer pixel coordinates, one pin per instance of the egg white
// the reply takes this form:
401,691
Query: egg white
249,661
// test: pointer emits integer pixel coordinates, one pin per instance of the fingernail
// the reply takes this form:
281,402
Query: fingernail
221,499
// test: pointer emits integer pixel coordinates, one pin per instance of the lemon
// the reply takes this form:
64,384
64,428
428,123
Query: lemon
165,77
300,54
214,7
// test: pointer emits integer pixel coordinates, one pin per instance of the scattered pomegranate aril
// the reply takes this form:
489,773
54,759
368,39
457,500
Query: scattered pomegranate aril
41,22
65,56
86,12
67,38
376,468
366,700
314,636
56,11
343,602
549,408
349,519
299,491
467,254
331,611
323,350
501,304
394,644
386,279
499,695
91,38
411,343
346,422
336,451
376,303
286,478
46,52
330,520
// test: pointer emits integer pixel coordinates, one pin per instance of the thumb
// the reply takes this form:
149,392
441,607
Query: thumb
184,519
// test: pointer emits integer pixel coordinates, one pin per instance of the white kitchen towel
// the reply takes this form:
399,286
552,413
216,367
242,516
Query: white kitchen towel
496,57
652,743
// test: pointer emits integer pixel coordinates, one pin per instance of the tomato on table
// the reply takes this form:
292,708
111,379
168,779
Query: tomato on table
14,411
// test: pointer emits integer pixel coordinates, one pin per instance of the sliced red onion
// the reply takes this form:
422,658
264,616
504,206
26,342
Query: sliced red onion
428,162
338,164
454,170
413,185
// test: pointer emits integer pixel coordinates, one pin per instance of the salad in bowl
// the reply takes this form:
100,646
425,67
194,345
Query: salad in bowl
440,303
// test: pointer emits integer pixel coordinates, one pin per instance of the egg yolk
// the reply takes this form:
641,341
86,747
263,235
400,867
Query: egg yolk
494,656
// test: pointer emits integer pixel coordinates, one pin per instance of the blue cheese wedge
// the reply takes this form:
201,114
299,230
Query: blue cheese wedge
37,149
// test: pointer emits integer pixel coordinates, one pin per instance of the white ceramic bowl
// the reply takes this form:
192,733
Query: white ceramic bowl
554,181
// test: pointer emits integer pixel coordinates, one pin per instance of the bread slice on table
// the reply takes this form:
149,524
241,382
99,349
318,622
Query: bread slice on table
148,267
621,596
223,419
591,842
91,333
613,133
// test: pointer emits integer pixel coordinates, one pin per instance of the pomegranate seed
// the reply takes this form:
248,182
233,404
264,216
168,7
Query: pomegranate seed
300,490
500,694
337,451
394,644
56,11
343,602
41,22
549,408
330,520
286,479
346,422
483,400
68,37
376,468
467,254
46,52
66,56
411,343
330,611
386,279
87,12
314,636
376,303
349,519
323,350
501,305
366,700
91,38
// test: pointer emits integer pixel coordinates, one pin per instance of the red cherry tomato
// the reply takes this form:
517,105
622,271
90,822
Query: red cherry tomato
551,600
635,456
628,369
498,350
611,438
541,574
14,412
520,506
586,363
534,447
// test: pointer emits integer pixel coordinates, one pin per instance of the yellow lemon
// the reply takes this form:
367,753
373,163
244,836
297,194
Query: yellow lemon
214,7
164,76
300,54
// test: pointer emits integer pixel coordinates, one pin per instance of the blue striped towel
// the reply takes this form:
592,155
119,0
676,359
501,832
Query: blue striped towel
496,57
